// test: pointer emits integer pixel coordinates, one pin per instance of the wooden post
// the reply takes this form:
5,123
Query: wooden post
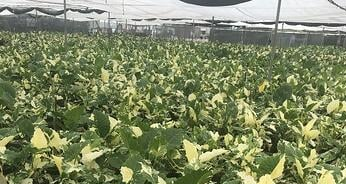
274,41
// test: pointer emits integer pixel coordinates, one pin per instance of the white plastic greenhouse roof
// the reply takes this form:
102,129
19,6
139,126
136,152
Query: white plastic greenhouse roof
298,11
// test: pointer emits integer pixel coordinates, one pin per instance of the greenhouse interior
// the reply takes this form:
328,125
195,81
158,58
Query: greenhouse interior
173,91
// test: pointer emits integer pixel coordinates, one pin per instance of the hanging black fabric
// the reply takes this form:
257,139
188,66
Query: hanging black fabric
47,11
214,2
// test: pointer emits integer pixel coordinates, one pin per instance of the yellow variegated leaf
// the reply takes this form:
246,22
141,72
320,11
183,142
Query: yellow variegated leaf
299,168
39,139
190,151
326,178
278,170
192,97
292,80
137,132
246,178
127,174
38,163
227,139
312,134
218,98
313,159
113,123
249,118
4,142
207,156
308,133
246,92
343,108
343,174
104,75
89,157
87,149
333,106
192,114
263,86
160,180
56,141
58,163
266,179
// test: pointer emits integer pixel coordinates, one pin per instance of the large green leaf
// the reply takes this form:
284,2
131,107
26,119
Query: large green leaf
195,177
72,117
7,94
283,93
102,123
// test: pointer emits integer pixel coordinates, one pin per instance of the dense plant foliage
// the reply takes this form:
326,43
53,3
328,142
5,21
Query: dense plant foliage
137,110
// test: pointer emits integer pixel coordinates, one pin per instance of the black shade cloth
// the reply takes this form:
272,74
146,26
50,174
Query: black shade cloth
52,12
214,2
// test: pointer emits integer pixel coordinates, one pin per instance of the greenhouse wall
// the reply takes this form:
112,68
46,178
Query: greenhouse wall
285,38
28,22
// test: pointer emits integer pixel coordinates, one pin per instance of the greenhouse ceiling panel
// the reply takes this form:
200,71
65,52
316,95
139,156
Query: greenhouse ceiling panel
302,11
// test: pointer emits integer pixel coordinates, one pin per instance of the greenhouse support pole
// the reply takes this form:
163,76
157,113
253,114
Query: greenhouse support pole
110,31
212,28
65,24
274,41
36,19
193,29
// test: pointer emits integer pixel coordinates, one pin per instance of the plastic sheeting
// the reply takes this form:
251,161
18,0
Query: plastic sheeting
295,11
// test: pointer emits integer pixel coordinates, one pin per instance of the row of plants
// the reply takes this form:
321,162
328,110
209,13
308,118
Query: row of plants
139,110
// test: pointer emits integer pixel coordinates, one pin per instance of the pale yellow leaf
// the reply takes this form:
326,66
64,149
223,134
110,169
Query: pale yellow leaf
313,159
307,132
192,97
299,168
228,139
4,142
292,80
89,157
113,122
38,162
192,114
87,149
246,178
249,118
26,181
207,156
190,151
146,169
39,139
58,163
104,75
218,98
326,178
56,141
127,174
3,179
137,132
312,134
263,86
278,170
246,92
343,108
333,106
266,179
160,180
